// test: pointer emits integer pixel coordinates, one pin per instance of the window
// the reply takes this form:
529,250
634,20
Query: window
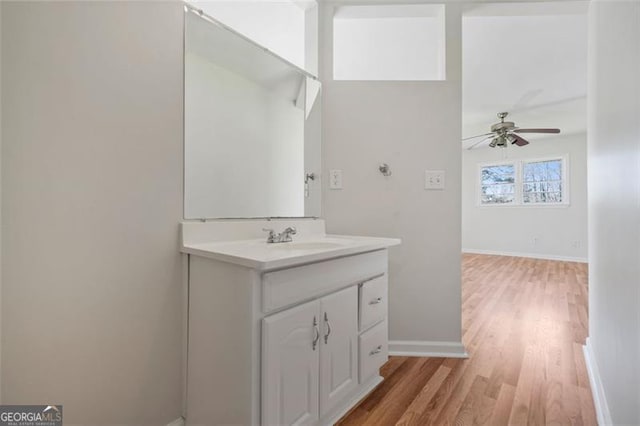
524,182
498,184
542,182
389,42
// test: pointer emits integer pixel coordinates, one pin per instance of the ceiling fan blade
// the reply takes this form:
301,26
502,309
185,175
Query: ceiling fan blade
537,130
519,140
477,136
480,141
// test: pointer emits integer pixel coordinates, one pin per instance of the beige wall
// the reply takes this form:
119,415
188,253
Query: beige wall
412,126
614,208
91,200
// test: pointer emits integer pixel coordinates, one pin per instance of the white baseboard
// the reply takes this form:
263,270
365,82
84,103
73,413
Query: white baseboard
426,348
177,422
529,255
599,397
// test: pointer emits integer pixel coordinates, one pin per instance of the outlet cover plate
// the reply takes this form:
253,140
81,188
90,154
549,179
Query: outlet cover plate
335,179
434,179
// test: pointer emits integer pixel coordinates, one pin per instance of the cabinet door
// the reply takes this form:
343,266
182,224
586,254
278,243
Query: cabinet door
290,366
339,353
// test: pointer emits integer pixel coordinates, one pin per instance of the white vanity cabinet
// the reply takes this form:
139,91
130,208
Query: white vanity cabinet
290,366
298,343
309,359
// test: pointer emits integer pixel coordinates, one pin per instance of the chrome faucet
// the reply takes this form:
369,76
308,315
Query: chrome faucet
283,237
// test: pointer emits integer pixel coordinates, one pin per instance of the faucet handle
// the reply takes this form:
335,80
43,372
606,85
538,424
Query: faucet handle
291,230
272,235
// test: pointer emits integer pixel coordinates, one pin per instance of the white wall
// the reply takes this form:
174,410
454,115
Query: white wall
276,25
547,232
0,205
412,126
614,206
244,146
92,199
390,42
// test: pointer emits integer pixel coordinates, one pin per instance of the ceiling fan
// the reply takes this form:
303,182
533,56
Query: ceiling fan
505,132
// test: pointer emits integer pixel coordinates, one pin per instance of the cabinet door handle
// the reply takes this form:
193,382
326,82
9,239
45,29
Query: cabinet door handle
376,350
326,336
316,333
376,301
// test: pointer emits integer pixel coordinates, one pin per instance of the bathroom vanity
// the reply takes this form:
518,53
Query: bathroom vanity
280,331
285,333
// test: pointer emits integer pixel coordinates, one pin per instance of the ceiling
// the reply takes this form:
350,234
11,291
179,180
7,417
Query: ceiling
529,59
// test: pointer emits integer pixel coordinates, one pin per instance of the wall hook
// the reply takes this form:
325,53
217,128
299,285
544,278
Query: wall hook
309,176
385,169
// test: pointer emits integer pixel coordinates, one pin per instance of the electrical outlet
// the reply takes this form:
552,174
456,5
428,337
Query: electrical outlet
335,179
434,179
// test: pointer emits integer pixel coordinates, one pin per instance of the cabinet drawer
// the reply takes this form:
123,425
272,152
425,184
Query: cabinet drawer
373,302
374,350
294,285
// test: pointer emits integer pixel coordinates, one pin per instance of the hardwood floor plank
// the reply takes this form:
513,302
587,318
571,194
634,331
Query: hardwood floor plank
504,405
477,407
524,322
587,408
390,409
421,402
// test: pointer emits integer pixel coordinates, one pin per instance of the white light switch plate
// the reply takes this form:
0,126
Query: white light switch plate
335,179
434,179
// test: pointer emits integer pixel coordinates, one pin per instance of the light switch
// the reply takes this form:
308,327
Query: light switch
335,179
434,179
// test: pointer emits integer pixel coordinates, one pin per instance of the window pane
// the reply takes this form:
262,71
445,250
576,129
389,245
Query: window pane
498,194
542,171
554,186
542,197
529,197
498,174
497,199
498,189
542,182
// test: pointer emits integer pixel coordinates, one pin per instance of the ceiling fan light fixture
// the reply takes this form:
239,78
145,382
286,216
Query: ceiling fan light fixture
506,132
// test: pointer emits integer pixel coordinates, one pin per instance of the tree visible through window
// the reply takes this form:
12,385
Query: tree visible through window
542,182
498,184
524,182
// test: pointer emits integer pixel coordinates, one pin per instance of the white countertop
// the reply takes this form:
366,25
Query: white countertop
257,254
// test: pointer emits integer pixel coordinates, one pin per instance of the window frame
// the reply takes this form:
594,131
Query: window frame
518,165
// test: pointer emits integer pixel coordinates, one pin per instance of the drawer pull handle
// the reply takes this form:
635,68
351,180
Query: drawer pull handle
316,333
376,350
326,336
376,301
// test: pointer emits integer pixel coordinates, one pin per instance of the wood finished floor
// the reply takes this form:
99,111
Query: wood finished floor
524,322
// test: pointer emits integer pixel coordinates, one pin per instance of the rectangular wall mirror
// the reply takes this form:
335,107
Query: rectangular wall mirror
251,128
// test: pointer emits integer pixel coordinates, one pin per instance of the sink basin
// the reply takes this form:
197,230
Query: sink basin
310,245
315,245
